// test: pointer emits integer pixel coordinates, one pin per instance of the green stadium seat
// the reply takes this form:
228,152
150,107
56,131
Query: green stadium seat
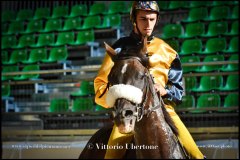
8,15
210,68
231,100
174,5
42,13
217,28
28,68
205,101
4,28
234,29
172,31
214,45
218,13
64,38
208,83
78,10
8,41
163,5
83,37
233,46
8,69
16,27
116,7
188,101
17,56
72,24
53,25
196,14
86,89
193,30
220,3
45,39
97,9
26,41
59,105
24,14
231,67
5,56
190,60
34,26
6,90
190,46
83,104
234,14
59,12
36,55
90,22
56,54
190,82
112,21
195,4
128,6
174,44
232,83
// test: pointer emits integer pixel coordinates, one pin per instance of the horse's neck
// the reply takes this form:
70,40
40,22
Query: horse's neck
153,130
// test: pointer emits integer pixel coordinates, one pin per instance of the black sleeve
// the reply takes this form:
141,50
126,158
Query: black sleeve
174,85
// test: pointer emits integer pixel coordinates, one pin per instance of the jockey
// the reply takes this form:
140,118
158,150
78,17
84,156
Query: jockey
164,66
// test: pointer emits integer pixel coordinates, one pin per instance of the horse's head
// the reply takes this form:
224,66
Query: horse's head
129,81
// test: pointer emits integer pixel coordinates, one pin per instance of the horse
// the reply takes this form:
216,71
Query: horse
137,109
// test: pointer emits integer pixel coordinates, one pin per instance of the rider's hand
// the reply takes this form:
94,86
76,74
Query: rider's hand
161,89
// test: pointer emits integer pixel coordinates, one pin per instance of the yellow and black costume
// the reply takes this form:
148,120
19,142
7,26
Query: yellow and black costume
165,67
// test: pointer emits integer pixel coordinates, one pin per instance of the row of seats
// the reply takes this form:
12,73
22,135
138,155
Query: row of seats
61,54
83,102
27,68
198,46
69,24
82,99
199,30
212,45
209,100
48,39
78,10
212,83
175,5
36,55
216,13
210,68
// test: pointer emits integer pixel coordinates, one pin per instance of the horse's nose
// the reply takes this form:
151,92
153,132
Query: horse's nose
127,113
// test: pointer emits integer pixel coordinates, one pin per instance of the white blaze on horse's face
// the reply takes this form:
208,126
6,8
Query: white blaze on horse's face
124,68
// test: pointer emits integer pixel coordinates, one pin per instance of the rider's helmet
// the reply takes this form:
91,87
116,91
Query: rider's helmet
143,5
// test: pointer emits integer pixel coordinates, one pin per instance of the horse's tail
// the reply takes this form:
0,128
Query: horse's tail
169,120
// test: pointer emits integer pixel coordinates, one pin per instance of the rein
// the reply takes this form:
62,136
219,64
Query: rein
151,108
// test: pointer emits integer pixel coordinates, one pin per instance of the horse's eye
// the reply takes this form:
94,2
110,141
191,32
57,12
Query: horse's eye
141,76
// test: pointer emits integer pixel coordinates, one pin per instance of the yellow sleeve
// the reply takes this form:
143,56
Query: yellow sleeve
161,56
101,80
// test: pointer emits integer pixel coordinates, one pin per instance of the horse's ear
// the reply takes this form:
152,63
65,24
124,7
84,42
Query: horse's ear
110,51
143,52
144,49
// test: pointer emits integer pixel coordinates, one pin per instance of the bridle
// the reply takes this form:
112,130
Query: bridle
141,110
